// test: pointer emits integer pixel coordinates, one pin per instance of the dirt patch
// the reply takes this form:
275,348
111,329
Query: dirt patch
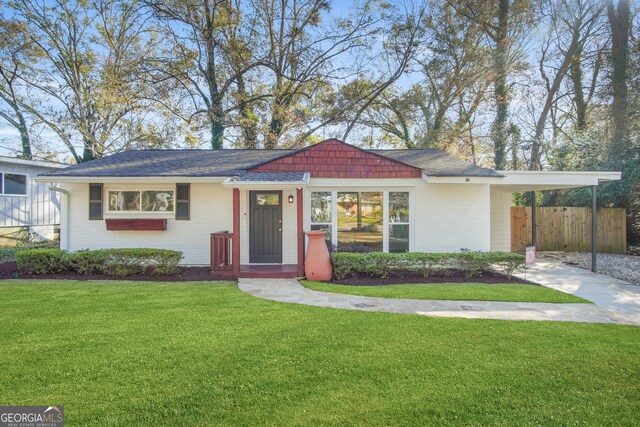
401,277
9,270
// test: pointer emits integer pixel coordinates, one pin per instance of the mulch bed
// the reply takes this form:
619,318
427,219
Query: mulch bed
402,277
9,270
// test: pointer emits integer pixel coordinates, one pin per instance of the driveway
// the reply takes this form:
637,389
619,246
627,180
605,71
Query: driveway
614,301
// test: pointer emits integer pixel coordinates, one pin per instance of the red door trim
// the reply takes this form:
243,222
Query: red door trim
300,232
236,233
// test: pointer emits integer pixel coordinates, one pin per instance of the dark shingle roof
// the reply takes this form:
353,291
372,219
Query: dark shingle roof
436,162
211,163
196,163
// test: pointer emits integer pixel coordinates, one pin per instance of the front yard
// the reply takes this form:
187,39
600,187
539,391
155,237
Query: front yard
518,292
198,353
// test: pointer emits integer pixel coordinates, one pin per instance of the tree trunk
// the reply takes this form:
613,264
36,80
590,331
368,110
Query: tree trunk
620,22
499,131
248,118
578,95
24,136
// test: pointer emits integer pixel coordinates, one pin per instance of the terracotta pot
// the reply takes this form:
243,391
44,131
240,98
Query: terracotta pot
317,264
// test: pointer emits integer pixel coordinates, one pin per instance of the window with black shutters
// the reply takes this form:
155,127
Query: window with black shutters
182,201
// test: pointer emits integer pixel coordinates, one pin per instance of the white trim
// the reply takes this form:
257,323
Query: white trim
549,180
233,182
4,185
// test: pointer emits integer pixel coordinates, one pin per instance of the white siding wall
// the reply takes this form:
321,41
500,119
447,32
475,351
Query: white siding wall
449,217
289,227
40,206
445,217
211,211
500,220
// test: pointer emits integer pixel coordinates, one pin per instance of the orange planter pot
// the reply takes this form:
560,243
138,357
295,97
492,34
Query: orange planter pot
317,264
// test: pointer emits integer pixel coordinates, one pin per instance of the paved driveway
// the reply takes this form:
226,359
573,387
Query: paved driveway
614,300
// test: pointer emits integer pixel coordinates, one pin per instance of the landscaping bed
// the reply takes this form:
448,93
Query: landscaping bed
9,270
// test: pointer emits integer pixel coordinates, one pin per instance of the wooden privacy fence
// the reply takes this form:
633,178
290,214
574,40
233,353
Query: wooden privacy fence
569,229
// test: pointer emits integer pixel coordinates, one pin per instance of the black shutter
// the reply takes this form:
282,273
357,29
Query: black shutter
95,201
182,201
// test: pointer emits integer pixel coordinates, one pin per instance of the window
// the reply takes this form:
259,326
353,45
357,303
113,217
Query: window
321,213
141,201
13,184
398,221
95,201
268,199
360,216
182,201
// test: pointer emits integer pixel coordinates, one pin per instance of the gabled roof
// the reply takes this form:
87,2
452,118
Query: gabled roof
236,162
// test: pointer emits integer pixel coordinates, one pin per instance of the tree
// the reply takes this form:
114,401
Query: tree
573,23
16,56
504,22
202,42
620,22
85,86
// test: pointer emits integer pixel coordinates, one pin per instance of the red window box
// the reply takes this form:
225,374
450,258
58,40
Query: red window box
136,224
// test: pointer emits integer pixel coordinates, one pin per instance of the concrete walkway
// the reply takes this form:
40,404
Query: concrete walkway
614,300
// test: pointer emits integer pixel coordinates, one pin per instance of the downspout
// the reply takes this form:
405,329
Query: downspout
64,215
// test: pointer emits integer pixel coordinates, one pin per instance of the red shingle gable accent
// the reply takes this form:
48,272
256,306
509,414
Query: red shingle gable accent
335,159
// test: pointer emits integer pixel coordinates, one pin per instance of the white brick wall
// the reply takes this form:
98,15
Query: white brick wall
449,217
500,220
211,211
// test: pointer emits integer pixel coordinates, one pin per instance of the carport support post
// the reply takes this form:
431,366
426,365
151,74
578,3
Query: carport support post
534,234
594,227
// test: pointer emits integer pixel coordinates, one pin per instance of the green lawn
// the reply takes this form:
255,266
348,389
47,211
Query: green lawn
132,353
453,291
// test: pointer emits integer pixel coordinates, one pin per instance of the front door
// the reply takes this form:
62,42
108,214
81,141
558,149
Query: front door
265,227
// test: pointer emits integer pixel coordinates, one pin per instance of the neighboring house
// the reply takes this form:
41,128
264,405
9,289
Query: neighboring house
384,200
26,207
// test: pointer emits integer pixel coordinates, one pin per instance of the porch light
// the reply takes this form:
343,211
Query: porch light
290,198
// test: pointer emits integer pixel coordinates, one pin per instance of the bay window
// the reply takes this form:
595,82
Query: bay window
362,221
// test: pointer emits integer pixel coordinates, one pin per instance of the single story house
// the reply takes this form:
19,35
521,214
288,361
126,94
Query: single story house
246,211
27,208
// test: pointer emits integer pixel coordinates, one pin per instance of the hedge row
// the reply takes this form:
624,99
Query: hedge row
381,264
118,262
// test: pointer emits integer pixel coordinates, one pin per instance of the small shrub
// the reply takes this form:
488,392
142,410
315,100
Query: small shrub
87,262
119,262
41,261
128,262
344,264
509,263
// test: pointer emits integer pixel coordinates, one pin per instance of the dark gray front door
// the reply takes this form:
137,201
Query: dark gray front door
265,227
